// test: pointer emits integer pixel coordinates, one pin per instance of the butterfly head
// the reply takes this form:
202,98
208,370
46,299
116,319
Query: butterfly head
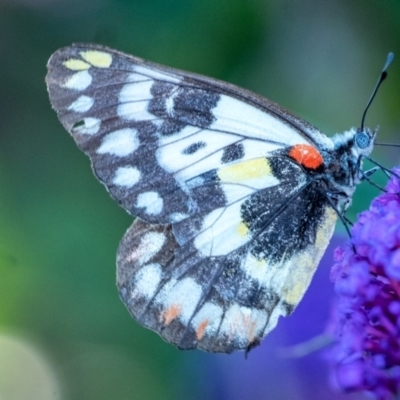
355,143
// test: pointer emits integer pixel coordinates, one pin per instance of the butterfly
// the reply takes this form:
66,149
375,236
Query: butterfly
235,198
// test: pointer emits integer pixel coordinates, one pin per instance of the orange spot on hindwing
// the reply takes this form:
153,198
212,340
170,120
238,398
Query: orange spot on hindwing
201,329
171,313
306,155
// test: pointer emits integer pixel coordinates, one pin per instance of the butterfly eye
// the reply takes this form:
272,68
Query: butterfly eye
362,140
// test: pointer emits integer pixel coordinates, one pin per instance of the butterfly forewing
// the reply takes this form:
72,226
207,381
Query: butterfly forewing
213,260
151,133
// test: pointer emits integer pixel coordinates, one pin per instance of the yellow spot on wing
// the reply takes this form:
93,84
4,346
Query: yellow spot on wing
76,65
260,263
325,231
304,264
296,292
246,170
242,229
98,59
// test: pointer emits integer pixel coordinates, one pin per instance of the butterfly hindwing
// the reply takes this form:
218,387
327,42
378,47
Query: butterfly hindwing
226,302
224,243
189,301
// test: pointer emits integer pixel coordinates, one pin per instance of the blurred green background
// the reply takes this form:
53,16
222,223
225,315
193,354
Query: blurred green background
64,334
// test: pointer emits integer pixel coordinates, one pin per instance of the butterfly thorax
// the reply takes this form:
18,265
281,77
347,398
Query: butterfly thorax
342,165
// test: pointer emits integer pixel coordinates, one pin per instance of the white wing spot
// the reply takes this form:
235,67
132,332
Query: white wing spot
234,192
207,157
210,317
135,111
82,104
88,126
242,324
150,244
177,217
169,104
177,136
222,231
126,176
133,77
184,295
147,280
151,201
236,116
120,143
136,91
79,81
257,269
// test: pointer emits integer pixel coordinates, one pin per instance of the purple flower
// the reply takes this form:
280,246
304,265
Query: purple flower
366,319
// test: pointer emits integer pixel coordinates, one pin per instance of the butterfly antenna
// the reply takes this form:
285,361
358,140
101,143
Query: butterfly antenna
386,144
382,77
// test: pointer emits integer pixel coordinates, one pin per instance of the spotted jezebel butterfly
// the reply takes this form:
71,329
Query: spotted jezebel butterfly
235,198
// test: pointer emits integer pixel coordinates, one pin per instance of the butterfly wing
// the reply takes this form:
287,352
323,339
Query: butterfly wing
215,257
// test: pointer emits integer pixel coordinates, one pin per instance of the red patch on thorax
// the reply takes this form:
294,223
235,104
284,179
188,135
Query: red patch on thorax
306,155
